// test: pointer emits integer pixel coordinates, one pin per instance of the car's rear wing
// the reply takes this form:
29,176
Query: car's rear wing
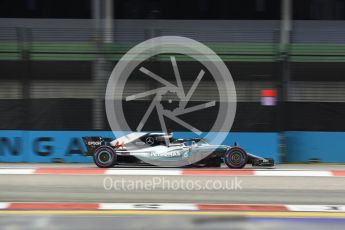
92,143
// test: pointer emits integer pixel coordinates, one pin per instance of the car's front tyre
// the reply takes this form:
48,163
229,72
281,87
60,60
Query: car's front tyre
236,158
104,157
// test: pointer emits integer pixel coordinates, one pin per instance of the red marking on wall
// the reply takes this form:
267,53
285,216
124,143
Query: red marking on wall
268,93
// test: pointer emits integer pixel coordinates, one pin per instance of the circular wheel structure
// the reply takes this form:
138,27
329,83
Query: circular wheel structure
236,158
104,157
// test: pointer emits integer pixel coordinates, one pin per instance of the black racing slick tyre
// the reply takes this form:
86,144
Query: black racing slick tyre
236,158
104,157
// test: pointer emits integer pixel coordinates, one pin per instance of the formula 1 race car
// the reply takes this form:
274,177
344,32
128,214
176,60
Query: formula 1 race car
134,148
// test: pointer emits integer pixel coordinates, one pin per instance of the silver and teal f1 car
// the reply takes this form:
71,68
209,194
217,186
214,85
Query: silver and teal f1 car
134,148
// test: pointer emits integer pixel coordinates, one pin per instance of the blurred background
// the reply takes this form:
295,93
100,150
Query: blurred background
286,58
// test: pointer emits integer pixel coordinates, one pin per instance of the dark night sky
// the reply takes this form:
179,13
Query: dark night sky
141,9
176,9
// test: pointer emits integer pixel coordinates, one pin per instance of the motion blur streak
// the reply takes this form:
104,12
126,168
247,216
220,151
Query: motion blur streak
199,213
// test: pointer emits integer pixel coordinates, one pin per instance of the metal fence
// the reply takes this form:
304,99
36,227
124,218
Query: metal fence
63,65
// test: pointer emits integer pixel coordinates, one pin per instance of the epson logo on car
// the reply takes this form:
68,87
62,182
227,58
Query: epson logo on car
94,143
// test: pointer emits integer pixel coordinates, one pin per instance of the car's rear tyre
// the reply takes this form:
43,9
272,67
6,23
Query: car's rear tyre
105,157
236,158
